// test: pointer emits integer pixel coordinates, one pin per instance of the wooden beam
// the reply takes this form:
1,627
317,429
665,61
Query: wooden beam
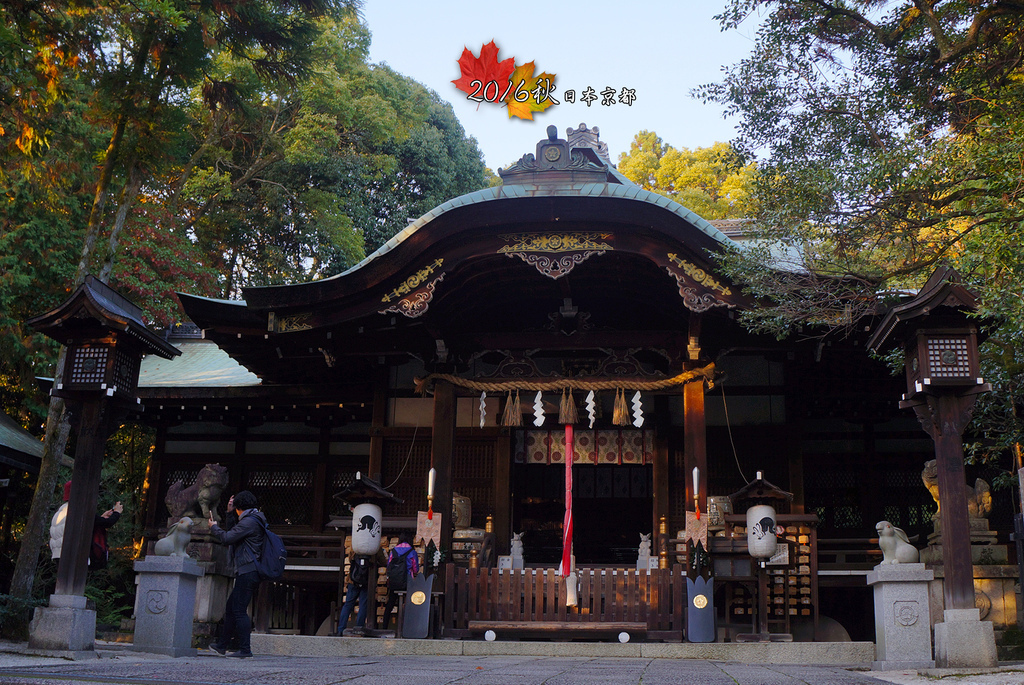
694,443
94,423
442,444
380,412
503,492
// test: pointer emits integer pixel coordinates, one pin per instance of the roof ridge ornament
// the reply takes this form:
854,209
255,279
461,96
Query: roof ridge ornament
554,155
583,137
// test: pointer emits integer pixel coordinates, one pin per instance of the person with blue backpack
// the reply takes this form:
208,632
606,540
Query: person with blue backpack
402,563
246,539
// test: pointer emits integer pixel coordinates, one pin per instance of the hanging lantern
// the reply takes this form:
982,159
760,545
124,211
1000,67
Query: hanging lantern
761,542
366,520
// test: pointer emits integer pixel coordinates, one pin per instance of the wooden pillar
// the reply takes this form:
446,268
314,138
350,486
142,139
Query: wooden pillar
944,417
379,418
661,469
93,430
695,443
958,584
442,444
154,476
502,493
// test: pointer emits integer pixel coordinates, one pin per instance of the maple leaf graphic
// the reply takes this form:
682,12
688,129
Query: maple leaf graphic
484,68
521,107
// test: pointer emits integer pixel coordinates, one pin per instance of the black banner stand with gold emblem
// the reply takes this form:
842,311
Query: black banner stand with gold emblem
416,620
700,596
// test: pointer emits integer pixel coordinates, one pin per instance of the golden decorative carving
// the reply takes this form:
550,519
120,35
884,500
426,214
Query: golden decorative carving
700,601
554,267
555,242
418,597
416,304
698,274
413,282
297,322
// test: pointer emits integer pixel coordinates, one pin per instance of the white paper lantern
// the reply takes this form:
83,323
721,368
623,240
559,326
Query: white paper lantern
623,637
490,636
761,540
366,528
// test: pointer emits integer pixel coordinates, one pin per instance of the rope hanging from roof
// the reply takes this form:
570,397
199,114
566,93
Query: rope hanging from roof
705,373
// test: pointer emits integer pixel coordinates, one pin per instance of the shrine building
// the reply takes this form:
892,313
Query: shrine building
565,280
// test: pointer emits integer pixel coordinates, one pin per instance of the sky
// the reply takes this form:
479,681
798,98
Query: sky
660,50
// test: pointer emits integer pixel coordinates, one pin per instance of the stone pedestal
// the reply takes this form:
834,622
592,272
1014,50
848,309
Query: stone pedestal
64,628
213,587
984,550
165,605
963,640
902,622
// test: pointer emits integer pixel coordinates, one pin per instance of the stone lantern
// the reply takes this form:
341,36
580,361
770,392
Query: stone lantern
106,338
940,342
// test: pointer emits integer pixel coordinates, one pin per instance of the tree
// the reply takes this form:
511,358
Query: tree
891,135
712,181
306,178
131,63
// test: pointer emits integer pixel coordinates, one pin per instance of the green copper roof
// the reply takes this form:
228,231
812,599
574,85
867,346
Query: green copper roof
624,188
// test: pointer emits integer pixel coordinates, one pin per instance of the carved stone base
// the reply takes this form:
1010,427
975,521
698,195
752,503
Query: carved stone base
165,604
964,641
65,628
984,550
981,554
902,616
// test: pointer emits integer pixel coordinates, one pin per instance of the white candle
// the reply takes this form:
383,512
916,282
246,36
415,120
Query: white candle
696,481
431,475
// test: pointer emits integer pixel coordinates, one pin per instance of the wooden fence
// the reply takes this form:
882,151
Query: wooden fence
533,601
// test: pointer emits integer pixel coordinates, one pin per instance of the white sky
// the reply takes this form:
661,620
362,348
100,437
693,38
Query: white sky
660,49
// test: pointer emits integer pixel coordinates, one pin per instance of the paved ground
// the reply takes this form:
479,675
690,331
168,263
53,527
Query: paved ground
122,667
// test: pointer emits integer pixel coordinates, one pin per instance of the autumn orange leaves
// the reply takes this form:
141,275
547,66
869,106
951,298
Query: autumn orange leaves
485,79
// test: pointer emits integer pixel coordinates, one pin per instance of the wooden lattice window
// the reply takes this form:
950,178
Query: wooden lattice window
285,495
835,497
405,465
908,504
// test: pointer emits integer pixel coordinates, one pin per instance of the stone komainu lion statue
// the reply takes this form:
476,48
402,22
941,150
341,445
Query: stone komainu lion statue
202,497
979,499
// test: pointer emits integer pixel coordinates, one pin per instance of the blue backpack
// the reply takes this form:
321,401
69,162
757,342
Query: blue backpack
270,564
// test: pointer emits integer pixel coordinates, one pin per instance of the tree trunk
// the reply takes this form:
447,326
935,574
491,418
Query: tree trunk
37,527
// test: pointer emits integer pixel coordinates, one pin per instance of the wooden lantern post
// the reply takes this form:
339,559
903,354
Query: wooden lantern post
943,383
106,339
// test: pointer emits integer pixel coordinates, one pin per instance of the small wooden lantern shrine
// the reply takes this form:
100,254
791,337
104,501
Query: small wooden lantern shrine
767,500
943,383
367,497
106,338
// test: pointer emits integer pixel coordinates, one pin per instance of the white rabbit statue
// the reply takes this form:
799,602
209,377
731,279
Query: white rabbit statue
896,547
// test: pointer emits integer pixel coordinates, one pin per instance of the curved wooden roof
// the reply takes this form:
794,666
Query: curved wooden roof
503,267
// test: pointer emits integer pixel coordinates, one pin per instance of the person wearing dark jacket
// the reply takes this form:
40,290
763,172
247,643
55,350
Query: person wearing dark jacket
246,541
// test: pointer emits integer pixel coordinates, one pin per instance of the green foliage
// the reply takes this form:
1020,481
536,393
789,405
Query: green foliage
890,135
308,177
712,181
15,613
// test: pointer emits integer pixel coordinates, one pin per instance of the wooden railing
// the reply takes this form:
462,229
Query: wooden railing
531,600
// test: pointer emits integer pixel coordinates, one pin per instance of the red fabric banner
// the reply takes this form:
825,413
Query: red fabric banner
566,566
